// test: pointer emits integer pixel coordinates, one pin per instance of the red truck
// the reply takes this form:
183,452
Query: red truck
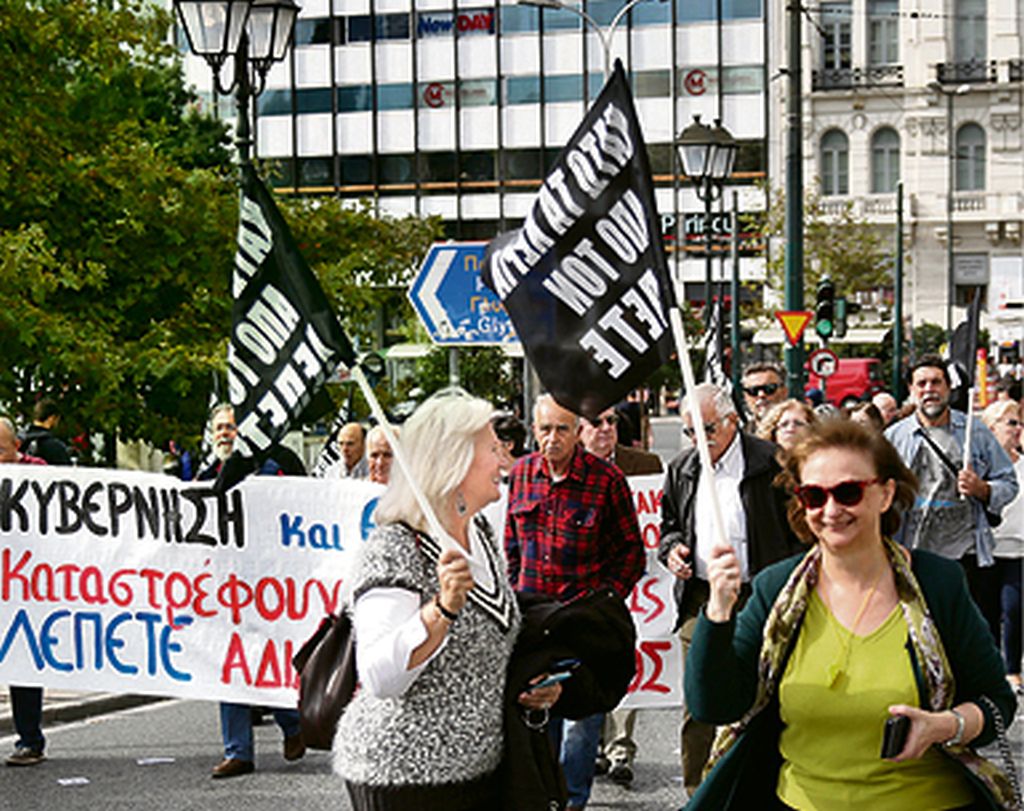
855,380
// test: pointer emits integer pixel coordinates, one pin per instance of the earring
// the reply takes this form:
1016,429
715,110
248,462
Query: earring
460,504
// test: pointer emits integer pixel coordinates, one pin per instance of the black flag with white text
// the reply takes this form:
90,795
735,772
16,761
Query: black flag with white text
285,338
585,280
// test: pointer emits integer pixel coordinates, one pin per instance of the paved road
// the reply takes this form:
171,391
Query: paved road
159,757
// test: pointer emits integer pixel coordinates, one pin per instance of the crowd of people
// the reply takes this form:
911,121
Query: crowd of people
863,587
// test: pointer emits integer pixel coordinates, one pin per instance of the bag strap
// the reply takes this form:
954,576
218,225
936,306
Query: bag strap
940,453
1004,750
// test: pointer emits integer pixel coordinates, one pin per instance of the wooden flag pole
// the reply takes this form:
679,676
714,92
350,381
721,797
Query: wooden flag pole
436,530
679,333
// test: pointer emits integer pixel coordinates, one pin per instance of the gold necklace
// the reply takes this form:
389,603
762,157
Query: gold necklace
839,666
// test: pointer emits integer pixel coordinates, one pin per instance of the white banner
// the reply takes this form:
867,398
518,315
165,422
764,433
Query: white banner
127,582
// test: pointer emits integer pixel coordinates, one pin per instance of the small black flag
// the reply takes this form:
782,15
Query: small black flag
285,338
585,280
963,351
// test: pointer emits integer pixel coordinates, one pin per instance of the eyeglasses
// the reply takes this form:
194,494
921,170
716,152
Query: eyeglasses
611,421
764,390
848,494
710,429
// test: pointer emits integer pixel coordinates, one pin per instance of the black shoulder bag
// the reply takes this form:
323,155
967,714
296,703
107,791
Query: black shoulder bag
326,665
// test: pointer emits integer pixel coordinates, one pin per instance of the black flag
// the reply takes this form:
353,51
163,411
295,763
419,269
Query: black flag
963,351
584,280
285,338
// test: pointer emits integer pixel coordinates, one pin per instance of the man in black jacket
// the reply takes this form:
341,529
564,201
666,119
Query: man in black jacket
754,517
39,441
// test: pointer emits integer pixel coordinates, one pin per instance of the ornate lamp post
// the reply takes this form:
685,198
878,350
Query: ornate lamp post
255,33
707,155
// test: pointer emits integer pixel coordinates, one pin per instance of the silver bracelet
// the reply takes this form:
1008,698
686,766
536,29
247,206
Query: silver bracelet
958,738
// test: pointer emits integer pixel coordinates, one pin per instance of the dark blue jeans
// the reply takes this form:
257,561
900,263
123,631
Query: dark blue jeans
577,742
1010,602
27,708
236,728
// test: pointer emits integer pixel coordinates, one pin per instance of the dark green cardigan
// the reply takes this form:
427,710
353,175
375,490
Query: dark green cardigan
721,677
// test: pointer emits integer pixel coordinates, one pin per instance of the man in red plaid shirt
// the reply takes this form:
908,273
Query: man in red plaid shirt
571,528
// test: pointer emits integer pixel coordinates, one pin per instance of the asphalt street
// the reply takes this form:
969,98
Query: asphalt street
159,757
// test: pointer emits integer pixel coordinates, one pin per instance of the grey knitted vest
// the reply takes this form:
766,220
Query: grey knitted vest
447,726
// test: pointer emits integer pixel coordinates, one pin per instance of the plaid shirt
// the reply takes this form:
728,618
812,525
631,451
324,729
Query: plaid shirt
575,535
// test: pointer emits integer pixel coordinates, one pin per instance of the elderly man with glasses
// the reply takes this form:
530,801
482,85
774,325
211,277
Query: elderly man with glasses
764,385
753,512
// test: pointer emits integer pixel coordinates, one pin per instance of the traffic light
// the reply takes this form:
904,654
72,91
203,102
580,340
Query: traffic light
841,313
824,307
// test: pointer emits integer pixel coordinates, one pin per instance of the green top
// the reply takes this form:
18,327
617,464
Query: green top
834,709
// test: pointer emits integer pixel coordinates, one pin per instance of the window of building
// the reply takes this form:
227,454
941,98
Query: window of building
970,31
394,96
280,172
479,229
313,100
751,157
695,11
836,42
883,32
393,26
354,99
885,161
522,90
556,19
355,170
477,166
522,164
563,88
518,19
835,151
397,168
742,9
340,31
315,172
438,167
661,157
651,84
359,29
312,32
274,102
658,13
970,158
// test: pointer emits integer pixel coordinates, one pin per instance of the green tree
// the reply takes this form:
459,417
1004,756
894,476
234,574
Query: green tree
118,214
485,371
838,244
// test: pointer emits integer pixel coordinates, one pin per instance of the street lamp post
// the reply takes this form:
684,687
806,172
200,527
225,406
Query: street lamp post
604,37
707,155
950,186
255,33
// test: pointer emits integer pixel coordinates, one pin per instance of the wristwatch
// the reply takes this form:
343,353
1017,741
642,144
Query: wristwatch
958,738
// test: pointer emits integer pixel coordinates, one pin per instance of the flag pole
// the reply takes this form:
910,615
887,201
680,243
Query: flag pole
436,530
703,452
970,426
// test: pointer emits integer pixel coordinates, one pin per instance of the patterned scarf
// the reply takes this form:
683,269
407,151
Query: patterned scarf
783,624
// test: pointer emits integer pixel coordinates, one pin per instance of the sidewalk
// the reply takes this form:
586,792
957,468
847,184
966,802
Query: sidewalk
62,706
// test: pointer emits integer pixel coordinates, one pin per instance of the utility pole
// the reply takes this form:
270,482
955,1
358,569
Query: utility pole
794,288
897,321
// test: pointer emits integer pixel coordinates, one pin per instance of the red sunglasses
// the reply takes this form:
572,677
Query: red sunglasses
849,494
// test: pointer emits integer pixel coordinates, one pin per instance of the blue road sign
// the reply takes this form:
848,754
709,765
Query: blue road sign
450,298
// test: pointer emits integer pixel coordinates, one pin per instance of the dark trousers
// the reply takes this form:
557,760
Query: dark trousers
984,585
1009,593
27,710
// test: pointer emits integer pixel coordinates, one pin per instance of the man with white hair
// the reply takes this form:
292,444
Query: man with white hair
753,512
26,702
887,405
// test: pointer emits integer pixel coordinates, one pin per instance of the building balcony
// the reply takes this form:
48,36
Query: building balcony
975,71
848,78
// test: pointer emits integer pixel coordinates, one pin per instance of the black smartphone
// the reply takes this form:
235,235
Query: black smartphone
895,735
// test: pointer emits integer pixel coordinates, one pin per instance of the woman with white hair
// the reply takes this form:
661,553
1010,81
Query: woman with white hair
435,625
1003,419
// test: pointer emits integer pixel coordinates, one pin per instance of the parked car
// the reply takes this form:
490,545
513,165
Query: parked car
855,380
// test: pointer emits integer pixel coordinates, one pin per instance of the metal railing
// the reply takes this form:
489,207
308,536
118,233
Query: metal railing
972,71
870,76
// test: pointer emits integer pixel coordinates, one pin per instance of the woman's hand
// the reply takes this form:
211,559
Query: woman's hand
540,698
724,577
455,579
929,728
677,563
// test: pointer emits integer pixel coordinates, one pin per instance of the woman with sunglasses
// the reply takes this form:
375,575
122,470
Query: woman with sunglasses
835,642
1003,419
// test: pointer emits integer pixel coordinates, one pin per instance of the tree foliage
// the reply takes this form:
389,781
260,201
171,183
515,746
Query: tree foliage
838,244
118,213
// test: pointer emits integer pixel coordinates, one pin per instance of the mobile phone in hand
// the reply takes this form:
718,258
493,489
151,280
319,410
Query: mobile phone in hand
894,736
560,671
